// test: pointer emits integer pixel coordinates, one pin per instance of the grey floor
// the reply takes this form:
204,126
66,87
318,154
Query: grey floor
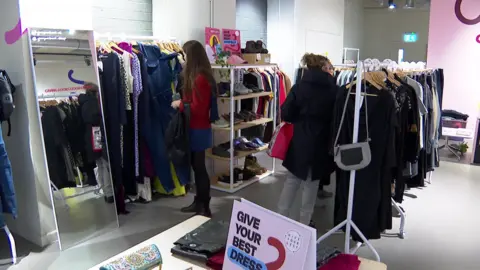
442,226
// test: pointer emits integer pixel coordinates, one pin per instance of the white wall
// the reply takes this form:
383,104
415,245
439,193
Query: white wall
132,17
189,22
353,34
252,20
35,212
384,29
295,27
319,28
51,75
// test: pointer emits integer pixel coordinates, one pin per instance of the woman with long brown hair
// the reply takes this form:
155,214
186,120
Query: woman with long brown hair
198,87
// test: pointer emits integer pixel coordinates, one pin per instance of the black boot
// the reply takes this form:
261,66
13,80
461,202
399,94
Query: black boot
204,209
192,208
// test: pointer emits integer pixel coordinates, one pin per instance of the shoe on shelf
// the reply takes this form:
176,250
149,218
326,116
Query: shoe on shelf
236,120
251,163
323,194
258,141
221,123
222,151
241,89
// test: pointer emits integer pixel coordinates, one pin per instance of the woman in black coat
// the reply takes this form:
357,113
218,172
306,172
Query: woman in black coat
309,107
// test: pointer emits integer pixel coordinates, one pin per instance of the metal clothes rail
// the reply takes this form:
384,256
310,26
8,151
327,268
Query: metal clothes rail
348,222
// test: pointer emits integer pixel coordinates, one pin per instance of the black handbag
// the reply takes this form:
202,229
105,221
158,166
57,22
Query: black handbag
7,89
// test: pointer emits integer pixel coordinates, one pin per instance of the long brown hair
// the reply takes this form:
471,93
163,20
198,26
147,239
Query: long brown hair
197,63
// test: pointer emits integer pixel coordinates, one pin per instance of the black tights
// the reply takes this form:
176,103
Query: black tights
202,180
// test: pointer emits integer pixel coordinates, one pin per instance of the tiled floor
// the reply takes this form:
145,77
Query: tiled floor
442,226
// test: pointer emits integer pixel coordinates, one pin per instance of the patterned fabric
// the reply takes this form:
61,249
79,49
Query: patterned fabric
127,80
137,90
143,259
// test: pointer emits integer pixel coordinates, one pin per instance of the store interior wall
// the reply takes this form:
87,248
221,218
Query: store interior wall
35,220
251,20
319,27
453,46
132,17
384,29
353,33
189,22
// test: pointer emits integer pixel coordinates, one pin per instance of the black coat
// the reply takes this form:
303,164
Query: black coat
309,106
91,117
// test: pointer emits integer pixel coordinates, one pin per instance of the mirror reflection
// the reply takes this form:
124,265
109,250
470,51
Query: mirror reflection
73,133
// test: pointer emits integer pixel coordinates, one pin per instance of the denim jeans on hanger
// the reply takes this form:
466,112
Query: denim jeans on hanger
8,202
160,78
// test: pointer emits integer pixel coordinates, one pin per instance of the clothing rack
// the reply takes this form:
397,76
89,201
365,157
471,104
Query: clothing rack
348,222
123,36
13,248
60,95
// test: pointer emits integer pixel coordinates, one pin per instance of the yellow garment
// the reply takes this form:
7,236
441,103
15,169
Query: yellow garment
179,189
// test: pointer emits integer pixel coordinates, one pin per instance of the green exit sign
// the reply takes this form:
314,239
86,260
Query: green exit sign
410,37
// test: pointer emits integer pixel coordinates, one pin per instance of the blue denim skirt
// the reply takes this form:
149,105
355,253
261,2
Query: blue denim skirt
200,139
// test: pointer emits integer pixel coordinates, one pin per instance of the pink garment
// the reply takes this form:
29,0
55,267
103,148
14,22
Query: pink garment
125,46
342,262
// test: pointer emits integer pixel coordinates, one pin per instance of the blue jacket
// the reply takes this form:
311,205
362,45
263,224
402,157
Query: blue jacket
8,203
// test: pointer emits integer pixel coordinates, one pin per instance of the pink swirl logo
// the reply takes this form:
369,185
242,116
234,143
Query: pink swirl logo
15,34
465,20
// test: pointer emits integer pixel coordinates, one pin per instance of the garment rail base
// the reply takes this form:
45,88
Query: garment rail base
401,233
13,248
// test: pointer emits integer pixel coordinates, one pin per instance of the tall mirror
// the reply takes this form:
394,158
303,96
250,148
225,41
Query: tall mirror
69,103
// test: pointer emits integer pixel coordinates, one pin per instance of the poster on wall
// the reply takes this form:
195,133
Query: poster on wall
261,239
213,44
231,41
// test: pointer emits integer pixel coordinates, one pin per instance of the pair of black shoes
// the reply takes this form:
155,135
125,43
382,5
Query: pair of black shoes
199,207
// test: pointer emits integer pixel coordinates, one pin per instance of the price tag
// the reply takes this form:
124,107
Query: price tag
97,139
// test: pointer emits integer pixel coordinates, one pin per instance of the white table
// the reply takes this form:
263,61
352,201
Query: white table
165,240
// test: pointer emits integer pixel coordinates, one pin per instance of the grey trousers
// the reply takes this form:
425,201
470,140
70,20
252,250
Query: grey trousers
309,196
103,177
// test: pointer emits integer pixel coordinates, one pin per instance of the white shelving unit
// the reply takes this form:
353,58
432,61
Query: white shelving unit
235,130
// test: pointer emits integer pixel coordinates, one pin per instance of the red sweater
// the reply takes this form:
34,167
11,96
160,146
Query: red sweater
199,103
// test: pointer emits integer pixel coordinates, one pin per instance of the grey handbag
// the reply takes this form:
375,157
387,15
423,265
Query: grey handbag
354,156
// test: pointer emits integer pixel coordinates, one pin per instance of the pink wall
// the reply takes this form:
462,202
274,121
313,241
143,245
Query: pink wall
453,46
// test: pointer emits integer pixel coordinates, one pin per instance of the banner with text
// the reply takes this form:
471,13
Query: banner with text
259,239
213,44
231,41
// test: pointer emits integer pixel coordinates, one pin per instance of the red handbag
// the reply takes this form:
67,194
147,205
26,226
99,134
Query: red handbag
280,141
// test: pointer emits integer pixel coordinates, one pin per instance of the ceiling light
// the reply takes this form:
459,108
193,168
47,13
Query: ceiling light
409,3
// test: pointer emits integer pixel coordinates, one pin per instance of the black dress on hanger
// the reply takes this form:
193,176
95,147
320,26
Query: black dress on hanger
372,200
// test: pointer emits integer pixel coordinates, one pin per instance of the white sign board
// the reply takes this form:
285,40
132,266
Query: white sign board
457,132
260,239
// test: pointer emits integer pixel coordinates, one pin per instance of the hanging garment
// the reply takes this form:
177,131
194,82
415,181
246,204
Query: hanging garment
8,203
55,142
114,112
373,183
160,78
